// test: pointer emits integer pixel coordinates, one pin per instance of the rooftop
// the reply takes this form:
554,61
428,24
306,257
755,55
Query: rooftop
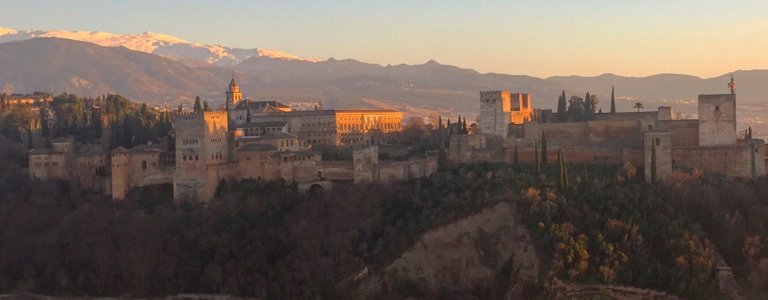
278,135
258,105
258,147
260,124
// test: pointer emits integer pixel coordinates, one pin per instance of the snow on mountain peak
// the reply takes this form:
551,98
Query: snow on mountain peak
4,31
156,43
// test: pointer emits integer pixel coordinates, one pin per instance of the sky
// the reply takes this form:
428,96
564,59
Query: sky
542,38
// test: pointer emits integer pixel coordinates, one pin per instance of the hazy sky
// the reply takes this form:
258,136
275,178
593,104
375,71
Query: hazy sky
538,37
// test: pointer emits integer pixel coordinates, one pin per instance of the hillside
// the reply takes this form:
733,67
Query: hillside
61,65
155,43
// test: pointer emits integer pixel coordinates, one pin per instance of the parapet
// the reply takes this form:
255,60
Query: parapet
186,115
493,93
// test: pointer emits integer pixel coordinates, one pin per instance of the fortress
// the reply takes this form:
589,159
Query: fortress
260,140
655,140
266,140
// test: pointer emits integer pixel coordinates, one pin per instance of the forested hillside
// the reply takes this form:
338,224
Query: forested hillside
261,239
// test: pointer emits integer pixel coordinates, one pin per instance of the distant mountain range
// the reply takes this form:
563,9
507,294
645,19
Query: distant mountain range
157,68
155,43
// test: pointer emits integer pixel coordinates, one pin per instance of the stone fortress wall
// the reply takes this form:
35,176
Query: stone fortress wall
709,143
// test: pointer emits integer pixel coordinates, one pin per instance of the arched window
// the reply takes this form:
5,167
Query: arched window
143,164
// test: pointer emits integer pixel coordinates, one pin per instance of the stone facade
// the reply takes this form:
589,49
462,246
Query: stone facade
202,153
500,108
717,120
709,143
658,156
139,166
267,143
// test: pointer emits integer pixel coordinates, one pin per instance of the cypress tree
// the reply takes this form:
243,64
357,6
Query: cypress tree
198,108
247,111
562,107
588,109
464,126
536,156
563,178
516,158
46,131
543,150
439,122
586,175
653,162
613,102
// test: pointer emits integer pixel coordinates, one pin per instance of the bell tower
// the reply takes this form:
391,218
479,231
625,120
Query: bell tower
233,93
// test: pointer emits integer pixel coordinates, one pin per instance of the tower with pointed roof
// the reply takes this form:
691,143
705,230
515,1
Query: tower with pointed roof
233,93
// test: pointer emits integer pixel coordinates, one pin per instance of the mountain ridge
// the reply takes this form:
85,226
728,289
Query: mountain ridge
424,89
156,43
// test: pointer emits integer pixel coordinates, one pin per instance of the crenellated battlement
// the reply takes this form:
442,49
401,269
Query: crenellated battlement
191,115
186,115
493,93
215,113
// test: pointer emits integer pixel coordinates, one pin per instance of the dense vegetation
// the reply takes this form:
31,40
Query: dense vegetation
84,119
592,224
266,239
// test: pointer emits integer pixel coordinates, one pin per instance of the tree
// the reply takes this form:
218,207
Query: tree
576,109
198,107
563,178
562,108
543,150
45,129
415,130
638,106
613,101
536,156
588,108
653,162
516,158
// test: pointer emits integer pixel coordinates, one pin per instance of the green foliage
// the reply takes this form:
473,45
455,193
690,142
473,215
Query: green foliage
198,107
265,239
543,150
576,109
562,108
653,162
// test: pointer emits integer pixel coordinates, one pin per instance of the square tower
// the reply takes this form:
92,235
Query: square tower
717,120
657,156
201,144
494,112
498,109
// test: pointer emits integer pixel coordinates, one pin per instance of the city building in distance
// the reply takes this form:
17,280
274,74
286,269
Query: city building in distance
263,140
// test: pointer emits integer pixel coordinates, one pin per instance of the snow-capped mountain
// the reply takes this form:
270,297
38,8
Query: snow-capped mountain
156,43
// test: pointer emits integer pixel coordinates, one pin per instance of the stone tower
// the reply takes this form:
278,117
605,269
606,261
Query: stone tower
494,118
233,93
364,158
119,160
202,153
498,109
717,120
658,152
